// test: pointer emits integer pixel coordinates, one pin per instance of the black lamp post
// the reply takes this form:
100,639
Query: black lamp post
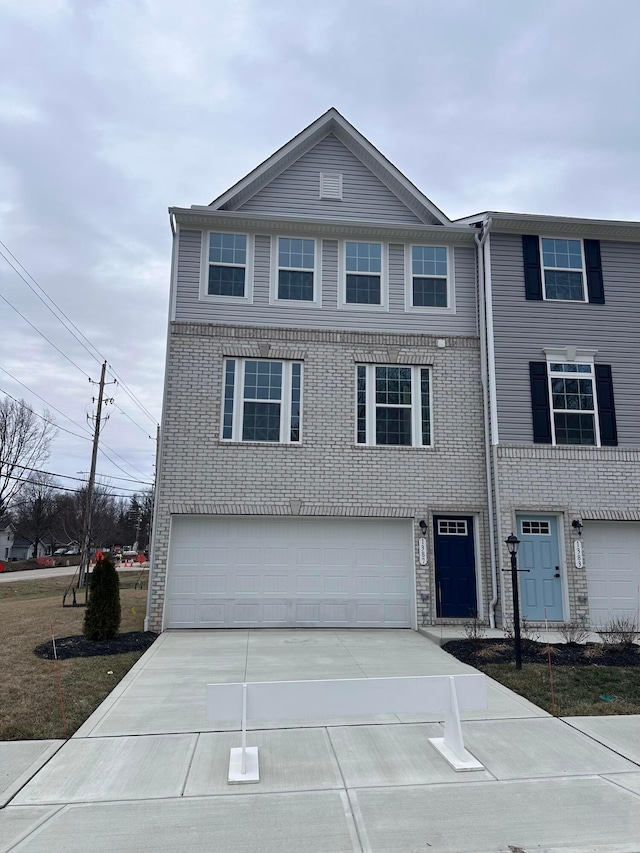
512,543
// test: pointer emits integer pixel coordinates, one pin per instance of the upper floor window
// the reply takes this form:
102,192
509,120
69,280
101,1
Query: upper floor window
573,402
227,265
572,399
393,405
364,279
563,269
296,269
262,400
429,277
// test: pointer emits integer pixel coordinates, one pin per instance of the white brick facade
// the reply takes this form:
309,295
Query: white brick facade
327,474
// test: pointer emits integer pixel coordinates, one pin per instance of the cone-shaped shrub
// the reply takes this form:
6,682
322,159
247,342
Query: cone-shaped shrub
102,616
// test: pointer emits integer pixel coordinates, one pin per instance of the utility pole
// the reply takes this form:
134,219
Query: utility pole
86,524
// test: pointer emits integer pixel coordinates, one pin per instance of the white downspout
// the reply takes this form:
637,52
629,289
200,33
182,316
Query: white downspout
493,406
487,403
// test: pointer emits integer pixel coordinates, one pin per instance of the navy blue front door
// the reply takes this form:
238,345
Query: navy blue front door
455,566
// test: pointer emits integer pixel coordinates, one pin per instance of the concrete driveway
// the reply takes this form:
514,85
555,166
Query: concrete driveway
147,772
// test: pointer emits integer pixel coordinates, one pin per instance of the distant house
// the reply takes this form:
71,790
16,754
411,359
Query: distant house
23,549
6,539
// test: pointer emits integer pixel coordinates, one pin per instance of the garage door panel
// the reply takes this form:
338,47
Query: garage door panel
241,572
612,559
369,585
213,584
397,613
311,613
184,584
247,585
336,614
212,614
275,584
368,558
395,585
246,613
274,556
309,584
183,614
215,556
336,584
275,612
186,557
369,613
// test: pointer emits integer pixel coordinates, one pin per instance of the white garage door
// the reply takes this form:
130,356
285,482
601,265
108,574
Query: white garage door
265,571
612,559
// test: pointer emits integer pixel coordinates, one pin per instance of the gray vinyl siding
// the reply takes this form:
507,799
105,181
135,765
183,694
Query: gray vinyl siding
189,306
523,328
296,191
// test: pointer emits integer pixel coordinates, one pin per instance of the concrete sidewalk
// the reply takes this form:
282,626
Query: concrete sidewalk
147,772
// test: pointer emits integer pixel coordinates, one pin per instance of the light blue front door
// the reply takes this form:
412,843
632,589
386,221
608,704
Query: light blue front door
541,586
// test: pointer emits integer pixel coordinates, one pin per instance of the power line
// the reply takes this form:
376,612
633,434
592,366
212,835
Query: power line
49,299
15,379
68,322
67,476
42,335
135,423
61,488
46,420
130,394
126,479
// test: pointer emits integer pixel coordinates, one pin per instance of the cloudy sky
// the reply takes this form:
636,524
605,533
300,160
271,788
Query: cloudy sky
112,110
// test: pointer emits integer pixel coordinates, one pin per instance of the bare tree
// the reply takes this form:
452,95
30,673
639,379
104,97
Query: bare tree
104,516
25,441
35,512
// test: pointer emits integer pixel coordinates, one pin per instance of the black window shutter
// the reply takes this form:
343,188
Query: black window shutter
532,272
540,402
595,283
606,408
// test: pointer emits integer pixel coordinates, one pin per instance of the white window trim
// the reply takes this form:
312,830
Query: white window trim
456,521
238,402
572,355
384,278
416,407
585,294
408,288
204,269
275,267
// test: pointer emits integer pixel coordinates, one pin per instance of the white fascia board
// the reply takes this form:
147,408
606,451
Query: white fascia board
528,223
311,135
205,217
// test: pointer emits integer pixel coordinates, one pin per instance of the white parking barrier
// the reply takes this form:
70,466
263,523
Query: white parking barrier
286,700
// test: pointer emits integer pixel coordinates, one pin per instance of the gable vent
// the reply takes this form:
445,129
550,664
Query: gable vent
331,185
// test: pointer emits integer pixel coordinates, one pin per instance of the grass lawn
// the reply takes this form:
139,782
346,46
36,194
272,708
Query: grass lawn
30,706
579,690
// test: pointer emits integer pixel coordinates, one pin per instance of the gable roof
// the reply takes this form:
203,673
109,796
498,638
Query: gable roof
332,122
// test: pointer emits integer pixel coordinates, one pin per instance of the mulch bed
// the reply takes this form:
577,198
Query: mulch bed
484,651
78,647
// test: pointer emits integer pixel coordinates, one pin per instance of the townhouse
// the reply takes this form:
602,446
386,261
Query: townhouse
356,397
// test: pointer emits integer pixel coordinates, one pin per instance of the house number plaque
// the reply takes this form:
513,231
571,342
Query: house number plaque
577,554
422,551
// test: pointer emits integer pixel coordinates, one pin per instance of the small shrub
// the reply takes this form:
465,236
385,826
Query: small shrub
102,616
573,633
527,632
620,631
475,630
